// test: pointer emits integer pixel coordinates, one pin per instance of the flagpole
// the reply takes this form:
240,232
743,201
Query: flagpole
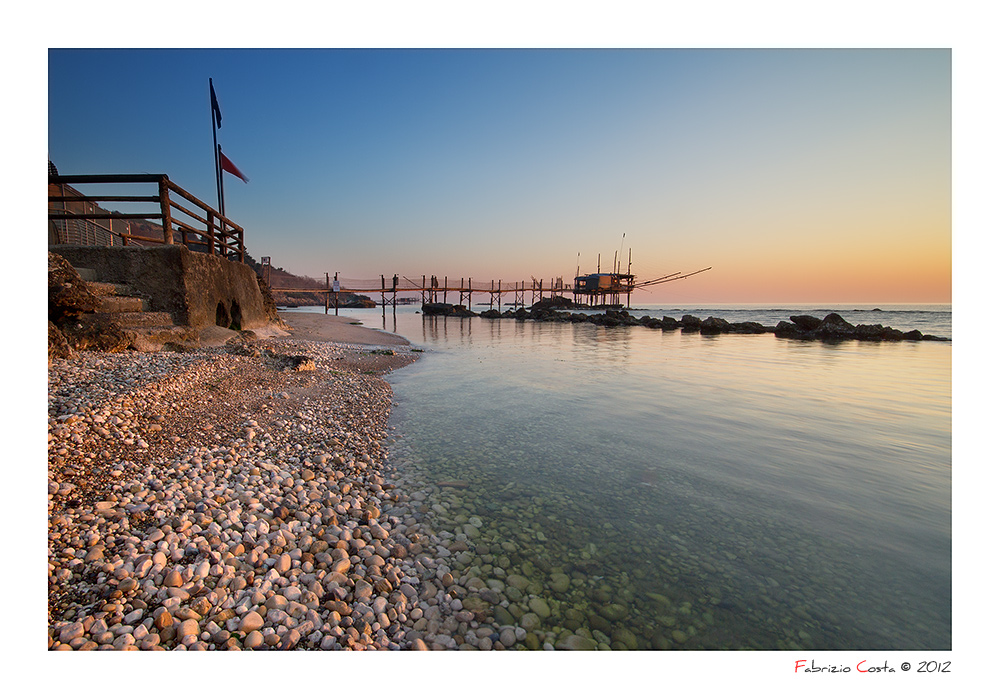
222,189
215,143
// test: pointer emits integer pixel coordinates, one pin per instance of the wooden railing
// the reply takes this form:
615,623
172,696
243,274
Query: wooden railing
184,219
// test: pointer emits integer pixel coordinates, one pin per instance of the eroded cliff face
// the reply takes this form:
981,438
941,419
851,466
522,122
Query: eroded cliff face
69,296
74,322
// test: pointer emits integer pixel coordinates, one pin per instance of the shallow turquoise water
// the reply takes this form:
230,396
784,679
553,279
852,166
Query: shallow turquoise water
728,491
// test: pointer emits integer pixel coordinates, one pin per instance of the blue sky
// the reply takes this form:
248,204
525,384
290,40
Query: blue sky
508,163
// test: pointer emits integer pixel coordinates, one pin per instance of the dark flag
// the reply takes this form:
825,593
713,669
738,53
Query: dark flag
227,165
216,112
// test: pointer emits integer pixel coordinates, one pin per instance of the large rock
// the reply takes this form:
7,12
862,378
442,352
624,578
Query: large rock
750,328
58,346
624,317
834,327
97,333
870,332
790,331
69,296
555,302
807,323
446,309
714,326
548,315
613,318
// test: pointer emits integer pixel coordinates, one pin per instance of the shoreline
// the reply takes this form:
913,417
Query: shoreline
321,327
241,497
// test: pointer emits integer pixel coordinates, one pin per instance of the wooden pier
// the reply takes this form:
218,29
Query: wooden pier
398,290
594,290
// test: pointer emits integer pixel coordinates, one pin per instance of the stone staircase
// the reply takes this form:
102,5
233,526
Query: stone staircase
148,331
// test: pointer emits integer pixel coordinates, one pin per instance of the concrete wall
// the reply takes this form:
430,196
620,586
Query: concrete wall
196,289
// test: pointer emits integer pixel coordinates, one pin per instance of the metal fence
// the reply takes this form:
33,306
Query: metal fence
92,230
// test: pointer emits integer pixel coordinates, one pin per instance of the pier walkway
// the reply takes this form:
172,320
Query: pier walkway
594,289
435,289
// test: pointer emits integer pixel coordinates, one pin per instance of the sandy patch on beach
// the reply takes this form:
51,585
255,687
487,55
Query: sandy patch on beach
320,327
377,351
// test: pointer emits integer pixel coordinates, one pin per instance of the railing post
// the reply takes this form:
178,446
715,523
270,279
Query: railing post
210,216
168,224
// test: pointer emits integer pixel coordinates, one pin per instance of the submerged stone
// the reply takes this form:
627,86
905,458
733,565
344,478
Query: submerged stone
574,642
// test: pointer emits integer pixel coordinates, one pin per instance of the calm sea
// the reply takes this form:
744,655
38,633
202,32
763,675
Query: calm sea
703,492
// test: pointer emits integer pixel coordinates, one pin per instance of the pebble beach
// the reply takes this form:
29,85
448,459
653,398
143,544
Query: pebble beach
241,498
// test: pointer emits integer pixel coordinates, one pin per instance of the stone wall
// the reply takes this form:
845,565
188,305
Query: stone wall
198,290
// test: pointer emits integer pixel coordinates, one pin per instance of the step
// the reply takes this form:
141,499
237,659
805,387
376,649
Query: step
87,274
109,289
144,319
121,304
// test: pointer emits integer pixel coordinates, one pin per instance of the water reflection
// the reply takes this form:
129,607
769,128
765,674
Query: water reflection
435,329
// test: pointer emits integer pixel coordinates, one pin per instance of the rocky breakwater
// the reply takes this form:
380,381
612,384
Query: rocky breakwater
234,498
610,318
614,318
713,326
832,328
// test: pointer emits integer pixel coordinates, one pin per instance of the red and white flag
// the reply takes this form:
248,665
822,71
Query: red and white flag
227,165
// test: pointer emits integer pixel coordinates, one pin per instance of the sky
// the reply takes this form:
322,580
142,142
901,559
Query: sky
797,175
